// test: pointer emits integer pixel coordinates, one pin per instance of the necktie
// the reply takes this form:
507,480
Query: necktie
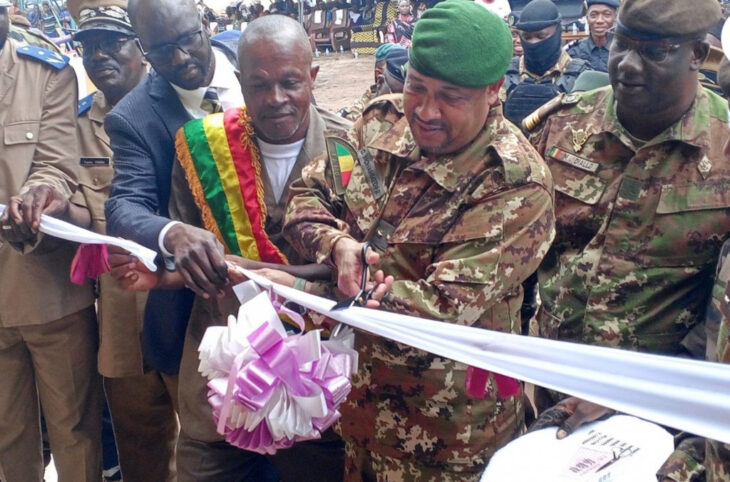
211,103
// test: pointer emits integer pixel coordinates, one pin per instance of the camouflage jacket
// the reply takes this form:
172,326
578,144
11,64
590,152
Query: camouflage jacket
465,231
355,110
717,319
639,227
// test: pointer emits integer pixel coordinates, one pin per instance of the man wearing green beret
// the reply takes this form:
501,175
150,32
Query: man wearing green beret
642,200
545,69
457,207
355,110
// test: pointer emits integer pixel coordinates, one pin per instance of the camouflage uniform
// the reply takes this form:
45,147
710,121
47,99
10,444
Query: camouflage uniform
468,230
355,110
639,227
717,455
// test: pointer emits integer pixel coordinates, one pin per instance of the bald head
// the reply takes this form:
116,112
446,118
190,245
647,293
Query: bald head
275,61
162,11
279,29
163,24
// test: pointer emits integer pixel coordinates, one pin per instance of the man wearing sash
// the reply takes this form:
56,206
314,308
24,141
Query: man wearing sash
231,178
458,208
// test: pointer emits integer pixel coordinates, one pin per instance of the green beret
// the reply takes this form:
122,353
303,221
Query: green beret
646,19
462,43
383,50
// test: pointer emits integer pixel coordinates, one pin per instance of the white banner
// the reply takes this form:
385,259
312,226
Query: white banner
685,394
62,229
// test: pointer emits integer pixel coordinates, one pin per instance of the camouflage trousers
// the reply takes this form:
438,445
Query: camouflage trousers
717,461
365,466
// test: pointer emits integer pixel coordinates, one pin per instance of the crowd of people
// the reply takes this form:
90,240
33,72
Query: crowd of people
501,179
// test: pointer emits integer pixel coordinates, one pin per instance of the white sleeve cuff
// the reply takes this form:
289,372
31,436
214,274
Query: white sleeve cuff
161,238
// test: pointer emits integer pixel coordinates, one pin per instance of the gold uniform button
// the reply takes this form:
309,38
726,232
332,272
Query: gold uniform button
95,181
29,135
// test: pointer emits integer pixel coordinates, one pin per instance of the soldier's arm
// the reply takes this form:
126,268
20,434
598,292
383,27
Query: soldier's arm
686,462
55,160
490,251
312,223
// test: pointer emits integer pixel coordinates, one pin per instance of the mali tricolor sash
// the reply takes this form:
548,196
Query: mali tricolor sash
223,169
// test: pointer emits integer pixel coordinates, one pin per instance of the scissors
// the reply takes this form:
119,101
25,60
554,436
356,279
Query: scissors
363,295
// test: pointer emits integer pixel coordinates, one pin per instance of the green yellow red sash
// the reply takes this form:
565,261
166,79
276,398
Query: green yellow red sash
223,169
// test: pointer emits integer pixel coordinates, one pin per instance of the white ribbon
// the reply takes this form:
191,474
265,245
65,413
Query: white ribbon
62,229
685,394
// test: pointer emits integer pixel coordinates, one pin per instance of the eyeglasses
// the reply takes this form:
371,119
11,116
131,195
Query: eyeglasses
108,46
163,54
650,50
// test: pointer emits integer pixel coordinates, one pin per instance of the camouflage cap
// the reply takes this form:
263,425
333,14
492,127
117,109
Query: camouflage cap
100,15
648,19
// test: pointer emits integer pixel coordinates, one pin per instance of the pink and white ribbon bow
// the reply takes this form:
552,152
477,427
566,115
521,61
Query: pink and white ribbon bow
269,389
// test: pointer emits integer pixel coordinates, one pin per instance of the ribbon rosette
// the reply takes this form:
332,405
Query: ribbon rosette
269,389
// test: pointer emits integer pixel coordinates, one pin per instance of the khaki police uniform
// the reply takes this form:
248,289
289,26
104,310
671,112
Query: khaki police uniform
142,404
48,333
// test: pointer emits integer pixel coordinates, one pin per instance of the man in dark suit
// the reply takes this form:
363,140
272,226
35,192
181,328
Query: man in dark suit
193,76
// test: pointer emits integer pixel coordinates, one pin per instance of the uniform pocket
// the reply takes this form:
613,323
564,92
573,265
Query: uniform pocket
95,185
25,132
688,217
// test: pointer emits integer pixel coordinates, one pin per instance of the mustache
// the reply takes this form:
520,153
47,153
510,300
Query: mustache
432,123
277,112
186,66
104,65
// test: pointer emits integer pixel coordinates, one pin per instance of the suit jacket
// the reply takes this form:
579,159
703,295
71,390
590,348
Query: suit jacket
142,129
37,147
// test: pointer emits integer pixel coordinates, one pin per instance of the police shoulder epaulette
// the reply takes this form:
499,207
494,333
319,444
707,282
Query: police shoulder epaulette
533,120
85,104
53,59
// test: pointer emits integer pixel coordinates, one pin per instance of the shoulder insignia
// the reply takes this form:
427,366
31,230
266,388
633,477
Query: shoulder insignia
530,122
85,104
53,59
342,157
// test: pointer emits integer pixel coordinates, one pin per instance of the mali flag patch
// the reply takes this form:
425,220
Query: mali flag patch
342,160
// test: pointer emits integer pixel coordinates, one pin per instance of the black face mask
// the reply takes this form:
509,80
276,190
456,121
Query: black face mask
542,55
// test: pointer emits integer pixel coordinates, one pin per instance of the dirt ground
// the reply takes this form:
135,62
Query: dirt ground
342,79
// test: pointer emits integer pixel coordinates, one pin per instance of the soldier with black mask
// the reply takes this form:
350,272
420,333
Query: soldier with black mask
544,70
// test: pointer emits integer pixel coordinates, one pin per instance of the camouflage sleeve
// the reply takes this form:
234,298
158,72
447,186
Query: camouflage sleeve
717,317
311,222
685,463
489,252
717,461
